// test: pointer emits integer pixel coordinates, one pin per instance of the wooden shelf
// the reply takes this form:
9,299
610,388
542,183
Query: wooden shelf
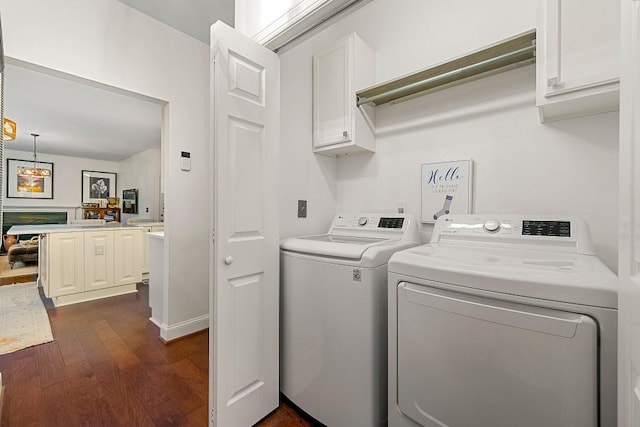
515,51
99,213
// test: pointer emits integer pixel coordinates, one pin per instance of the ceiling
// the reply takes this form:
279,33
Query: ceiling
193,17
75,119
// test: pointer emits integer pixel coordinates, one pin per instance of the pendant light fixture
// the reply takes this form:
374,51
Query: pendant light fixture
34,171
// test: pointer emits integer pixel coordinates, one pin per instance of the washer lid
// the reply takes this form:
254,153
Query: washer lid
566,277
350,247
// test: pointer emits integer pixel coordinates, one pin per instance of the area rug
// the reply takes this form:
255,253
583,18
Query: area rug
23,319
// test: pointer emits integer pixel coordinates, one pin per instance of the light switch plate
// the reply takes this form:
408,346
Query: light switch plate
302,208
185,160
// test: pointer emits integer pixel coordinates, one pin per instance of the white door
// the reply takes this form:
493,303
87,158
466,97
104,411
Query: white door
629,216
245,96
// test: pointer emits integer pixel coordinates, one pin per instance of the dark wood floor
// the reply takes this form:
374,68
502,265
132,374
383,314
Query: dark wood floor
108,367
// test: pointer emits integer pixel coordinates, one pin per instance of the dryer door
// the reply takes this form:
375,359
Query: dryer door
471,361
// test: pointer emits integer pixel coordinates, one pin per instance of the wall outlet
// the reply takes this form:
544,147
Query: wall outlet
99,250
302,208
401,206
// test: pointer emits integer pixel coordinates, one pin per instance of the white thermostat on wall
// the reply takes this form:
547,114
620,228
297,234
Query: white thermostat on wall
185,160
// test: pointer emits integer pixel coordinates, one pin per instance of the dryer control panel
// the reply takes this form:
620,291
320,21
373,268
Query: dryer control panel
554,233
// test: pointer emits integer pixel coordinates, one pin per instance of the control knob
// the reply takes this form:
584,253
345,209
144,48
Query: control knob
491,225
362,221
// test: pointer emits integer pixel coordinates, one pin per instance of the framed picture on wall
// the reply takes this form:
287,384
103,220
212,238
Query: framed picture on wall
446,188
98,186
26,180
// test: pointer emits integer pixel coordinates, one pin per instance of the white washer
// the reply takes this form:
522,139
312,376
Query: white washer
502,320
333,335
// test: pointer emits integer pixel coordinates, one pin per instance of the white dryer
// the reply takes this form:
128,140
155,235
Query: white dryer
500,321
333,349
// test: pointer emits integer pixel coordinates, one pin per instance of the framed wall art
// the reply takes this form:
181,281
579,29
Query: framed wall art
446,188
27,179
98,186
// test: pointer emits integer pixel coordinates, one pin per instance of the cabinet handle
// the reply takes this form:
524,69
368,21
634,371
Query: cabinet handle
345,134
228,260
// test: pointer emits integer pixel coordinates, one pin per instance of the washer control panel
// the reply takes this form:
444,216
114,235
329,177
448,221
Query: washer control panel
399,226
491,225
385,225
369,222
546,228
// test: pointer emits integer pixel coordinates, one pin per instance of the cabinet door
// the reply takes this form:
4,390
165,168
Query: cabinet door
128,256
578,57
66,268
98,259
339,126
584,35
331,93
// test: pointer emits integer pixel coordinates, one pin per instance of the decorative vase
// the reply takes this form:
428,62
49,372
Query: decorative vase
9,241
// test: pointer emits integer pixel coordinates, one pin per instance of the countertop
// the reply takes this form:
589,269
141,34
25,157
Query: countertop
146,224
60,228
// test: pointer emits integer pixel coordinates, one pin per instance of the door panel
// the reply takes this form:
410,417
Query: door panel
66,273
246,144
98,259
245,285
629,219
128,256
508,364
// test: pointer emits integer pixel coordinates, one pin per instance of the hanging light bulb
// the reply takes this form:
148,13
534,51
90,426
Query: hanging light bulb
34,171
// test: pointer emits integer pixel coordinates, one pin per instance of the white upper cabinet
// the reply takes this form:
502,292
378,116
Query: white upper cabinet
273,23
339,126
578,58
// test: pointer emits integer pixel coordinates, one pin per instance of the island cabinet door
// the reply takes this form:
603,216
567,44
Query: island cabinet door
128,255
98,259
66,263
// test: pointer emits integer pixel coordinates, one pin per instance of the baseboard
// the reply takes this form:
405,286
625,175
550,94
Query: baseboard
179,330
62,300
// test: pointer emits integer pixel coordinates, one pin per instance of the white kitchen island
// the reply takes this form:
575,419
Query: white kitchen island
79,263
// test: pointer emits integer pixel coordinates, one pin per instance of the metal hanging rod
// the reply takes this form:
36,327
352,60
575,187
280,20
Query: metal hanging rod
516,50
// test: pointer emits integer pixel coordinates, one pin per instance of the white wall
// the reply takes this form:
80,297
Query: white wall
67,182
303,176
521,166
107,42
142,172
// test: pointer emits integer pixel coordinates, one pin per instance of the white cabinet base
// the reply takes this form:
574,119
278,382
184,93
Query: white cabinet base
93,295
